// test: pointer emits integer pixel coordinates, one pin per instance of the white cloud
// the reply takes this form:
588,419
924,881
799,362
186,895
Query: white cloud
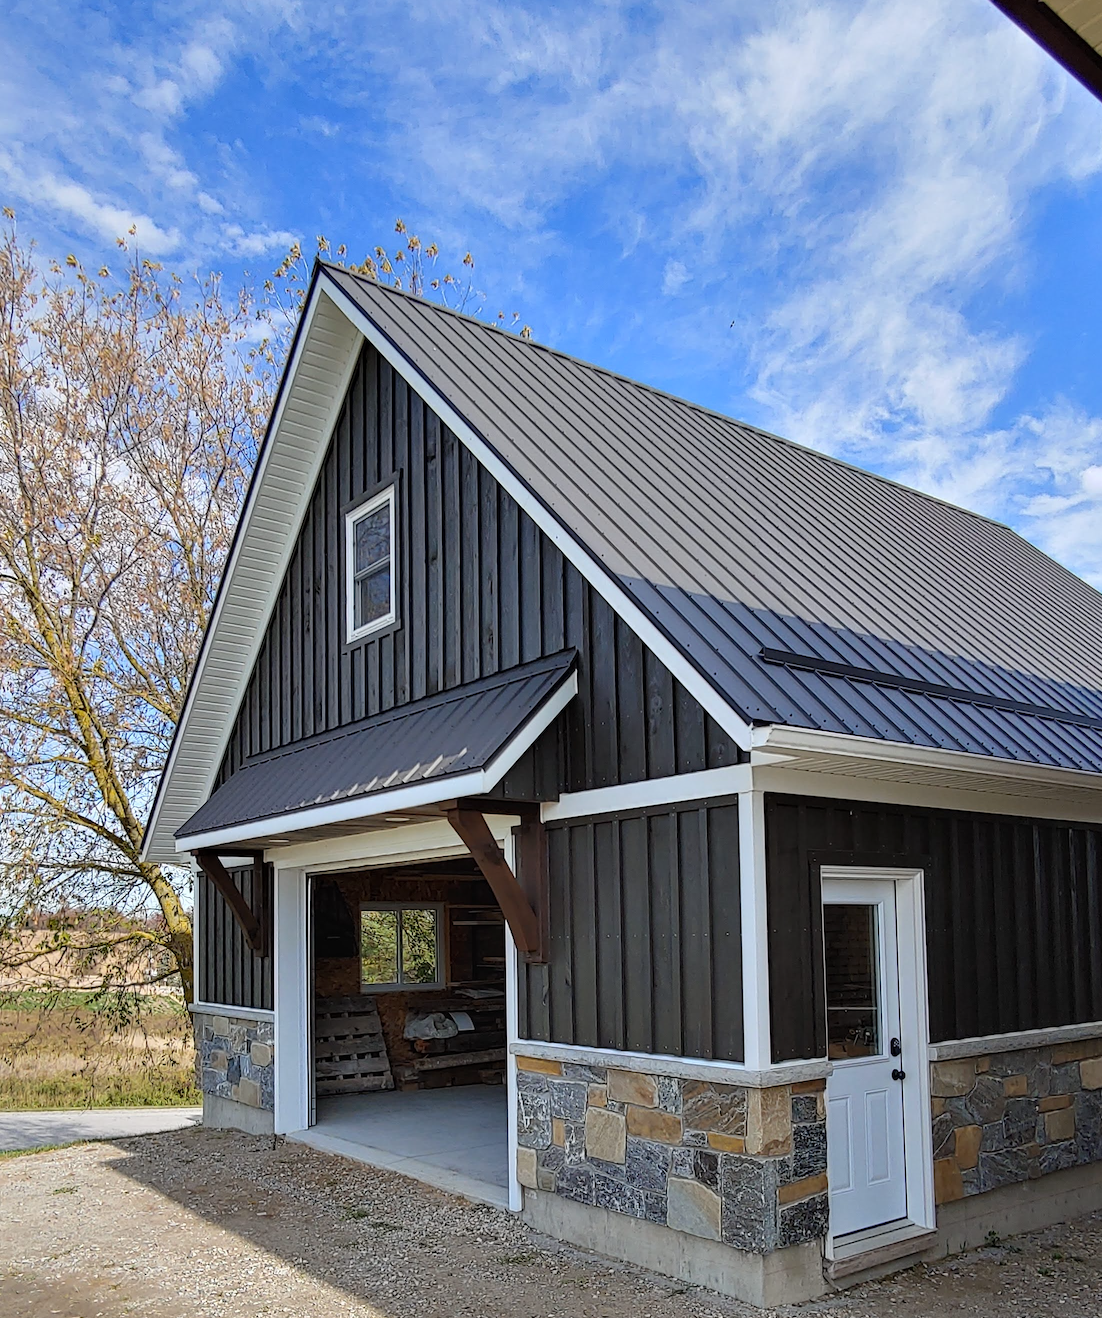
675,277
261,242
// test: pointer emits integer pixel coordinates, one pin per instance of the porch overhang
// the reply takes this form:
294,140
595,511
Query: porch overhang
396,768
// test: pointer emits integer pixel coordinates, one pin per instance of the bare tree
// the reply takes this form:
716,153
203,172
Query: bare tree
131,409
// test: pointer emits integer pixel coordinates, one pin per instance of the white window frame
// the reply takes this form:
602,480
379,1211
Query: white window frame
441,975
354,515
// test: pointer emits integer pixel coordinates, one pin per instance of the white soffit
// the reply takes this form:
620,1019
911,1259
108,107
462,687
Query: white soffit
315,384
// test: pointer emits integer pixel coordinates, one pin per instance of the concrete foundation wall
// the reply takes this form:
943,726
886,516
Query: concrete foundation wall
226,1114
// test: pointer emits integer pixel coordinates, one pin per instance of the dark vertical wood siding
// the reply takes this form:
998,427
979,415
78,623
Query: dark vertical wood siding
481,590
229,971
1013,914
646,934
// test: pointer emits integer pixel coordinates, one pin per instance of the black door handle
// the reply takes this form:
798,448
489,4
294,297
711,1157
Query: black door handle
899,1075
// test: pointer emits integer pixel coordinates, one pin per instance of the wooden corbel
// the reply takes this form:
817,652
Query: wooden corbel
524,924
253,923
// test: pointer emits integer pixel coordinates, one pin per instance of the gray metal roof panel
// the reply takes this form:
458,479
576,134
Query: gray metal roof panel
440,737
732,539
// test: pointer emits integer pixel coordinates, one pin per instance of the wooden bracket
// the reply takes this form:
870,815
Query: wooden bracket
514,901
253,923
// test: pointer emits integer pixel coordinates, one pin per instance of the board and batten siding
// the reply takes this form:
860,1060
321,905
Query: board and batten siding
646,940
481,589
1013,914
230,972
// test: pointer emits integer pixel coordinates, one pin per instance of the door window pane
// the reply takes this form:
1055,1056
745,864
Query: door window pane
852,981
399,945
419,947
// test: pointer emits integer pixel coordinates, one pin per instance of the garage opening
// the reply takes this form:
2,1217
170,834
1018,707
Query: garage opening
409,1043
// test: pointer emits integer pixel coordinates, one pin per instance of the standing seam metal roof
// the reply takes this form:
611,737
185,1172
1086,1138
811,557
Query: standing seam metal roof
733,539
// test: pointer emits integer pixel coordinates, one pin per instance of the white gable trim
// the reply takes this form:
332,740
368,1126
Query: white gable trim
591,568
314,386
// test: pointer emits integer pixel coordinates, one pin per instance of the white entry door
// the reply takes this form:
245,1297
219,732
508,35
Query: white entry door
865,1145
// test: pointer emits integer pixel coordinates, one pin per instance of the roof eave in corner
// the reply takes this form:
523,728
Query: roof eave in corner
1066,46
158,845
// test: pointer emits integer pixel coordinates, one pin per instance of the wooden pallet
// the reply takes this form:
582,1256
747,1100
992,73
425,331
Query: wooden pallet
349,1050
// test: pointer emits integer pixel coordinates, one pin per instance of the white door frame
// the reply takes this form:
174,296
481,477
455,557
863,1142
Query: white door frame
914,1024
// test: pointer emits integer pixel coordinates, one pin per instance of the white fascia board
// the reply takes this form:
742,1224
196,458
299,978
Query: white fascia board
705,784
591,568
426,791
229,650
776,739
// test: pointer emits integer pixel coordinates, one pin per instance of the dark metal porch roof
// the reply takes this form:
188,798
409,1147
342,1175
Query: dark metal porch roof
441,739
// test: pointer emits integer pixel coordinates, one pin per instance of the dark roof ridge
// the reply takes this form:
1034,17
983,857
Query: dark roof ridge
676,398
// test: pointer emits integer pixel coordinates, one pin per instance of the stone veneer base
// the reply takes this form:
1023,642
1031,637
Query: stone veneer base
226,1114
786,1276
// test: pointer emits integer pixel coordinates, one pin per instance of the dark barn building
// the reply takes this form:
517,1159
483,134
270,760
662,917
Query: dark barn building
619,814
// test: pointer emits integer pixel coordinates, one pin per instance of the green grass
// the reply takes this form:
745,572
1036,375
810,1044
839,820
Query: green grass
40,1148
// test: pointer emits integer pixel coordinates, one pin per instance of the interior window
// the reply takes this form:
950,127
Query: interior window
371,585
399,945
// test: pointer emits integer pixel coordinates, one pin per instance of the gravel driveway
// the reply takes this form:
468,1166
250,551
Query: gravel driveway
198,1223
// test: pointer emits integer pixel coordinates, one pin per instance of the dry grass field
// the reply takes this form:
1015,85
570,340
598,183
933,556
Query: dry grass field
73,1049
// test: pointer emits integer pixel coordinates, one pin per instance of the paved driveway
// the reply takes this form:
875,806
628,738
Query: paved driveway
31,1130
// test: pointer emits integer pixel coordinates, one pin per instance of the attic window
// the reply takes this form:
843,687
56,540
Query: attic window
369,559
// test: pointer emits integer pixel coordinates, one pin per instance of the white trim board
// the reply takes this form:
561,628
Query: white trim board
234,1013
426,791
981,1046
649,792
687,1068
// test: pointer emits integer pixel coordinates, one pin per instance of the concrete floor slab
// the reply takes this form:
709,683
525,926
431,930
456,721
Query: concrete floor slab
32,1130
455,1138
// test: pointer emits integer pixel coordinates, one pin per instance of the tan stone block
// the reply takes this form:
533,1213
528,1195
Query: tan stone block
1090,1072
1078,1051
544,1065
967,1145
218,1060
809,1086
633,1087
693,1208
948,1185
545,1179
597,1096
788,1194
937,1106
526,1168
221,1025
1053,1102
248,1091
261,1054
821,1106
983,1064
605,1135
650,1124
769,1121
709,1106
1016,1086
952,1079
1060,1125
726,1143
558,1132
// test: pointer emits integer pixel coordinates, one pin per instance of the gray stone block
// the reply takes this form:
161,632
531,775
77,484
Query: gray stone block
552,1158
618,1197
706,1168
669,1094
568,1099
986,1102
1020,1121
531,1082
574,1146
1004,1168
809,1150
576,1183
749,1192
655,1208
806,1220
1065,1079
1055,1157
693,1208
647,1164
943,1135
805,1107
591,1075
533,1120
695,1138
681,1162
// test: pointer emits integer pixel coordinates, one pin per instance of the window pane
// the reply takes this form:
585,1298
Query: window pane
852,981
372,538
419,947
379,947
373,596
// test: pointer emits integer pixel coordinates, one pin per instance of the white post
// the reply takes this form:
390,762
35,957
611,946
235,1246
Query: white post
757,1053
291,970
512,1028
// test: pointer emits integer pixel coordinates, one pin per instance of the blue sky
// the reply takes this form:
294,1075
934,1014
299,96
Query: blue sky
872,227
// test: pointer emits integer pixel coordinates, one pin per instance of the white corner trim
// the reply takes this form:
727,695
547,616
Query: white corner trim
234,1013
650,792
1012,1043
598,576
426,791
687,1068
512,1029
